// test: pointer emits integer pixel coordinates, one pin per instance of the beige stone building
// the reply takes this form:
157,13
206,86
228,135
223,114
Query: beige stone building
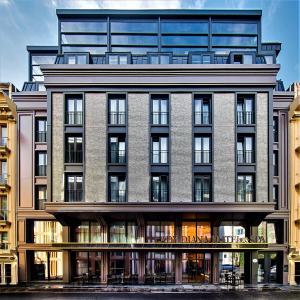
294,160
8,180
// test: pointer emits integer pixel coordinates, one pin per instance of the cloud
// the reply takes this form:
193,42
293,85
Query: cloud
5,2
126,4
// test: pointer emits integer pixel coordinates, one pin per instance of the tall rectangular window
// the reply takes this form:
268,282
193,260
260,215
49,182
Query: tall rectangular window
3,208
41,196
41,130
245,110
74,188
74,153
117,111
159,150
245,188
202,110
202,150
275,129
245,150
159,188
117,188
74,110
4,240
160,110
117,150
3,136
41,167
275,163
202,188
3,176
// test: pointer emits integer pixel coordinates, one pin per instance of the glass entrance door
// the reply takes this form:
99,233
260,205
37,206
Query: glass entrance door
196,267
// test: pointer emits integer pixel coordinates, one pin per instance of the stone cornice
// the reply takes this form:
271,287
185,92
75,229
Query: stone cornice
160,75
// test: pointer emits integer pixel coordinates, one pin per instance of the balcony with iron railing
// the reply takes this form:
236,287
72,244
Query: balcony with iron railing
245,157
41,170
160,118
245,117
202,118
41,137
246,195
4,247
74,118
3,215
159,156
74,196
117,157
202,156
3,146
117,118
159,195
117,195
202,195
3,180
74,157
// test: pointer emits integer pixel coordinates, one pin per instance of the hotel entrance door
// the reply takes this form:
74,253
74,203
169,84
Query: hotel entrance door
196,267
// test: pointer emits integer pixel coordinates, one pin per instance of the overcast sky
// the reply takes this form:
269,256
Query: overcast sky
34,22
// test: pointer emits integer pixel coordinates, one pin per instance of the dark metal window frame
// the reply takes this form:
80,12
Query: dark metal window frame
253,155
76,151
244,186
116,96
119,136
208,97
159,136
67,190
70,96
119,175
202,135
160,97
202,176
151,186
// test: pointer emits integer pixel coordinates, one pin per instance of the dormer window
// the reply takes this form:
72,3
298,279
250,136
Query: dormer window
200,58
240,58
118,59
76,59
159,58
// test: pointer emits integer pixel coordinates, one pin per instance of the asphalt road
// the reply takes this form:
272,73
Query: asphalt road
157,296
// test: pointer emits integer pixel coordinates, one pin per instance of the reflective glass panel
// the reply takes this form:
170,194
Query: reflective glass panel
91,49
43,59
81,26
133,40
134,50
234,41
83,39
147,27
47,232
226,27
184,27
184,40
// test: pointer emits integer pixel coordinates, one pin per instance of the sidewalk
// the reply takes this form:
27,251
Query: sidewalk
69,288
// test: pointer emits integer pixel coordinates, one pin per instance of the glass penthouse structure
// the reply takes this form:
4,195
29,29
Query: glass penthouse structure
146,151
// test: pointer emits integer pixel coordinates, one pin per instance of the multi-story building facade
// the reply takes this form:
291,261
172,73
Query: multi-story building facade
159,151
8,171
294,131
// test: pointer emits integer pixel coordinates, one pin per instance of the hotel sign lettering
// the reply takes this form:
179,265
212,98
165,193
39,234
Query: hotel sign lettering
212,239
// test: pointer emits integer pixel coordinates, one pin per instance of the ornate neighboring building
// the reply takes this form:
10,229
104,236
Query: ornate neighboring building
294,165
8,186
